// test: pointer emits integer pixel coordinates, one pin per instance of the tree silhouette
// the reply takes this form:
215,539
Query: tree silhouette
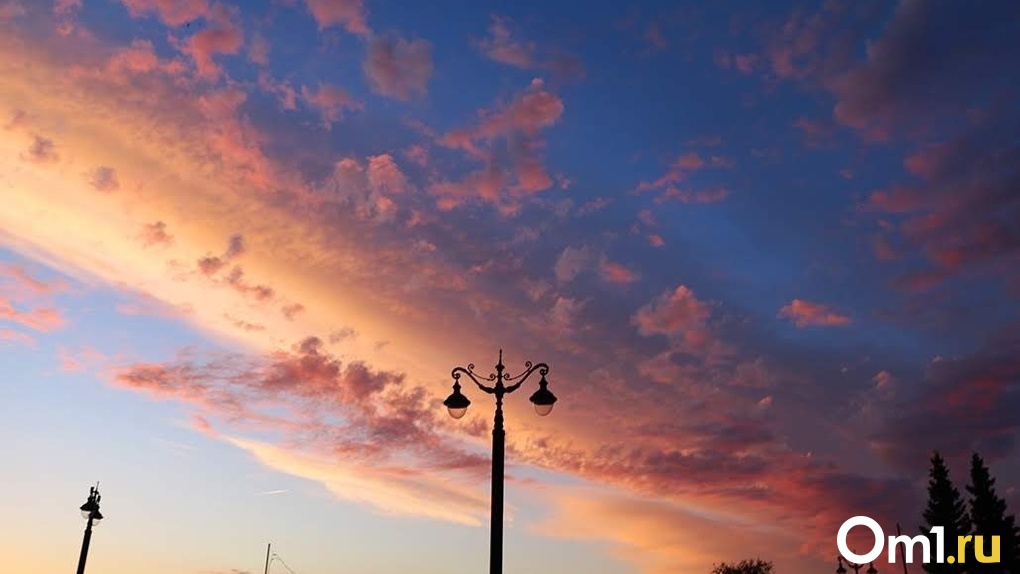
945,508
755,566
989,517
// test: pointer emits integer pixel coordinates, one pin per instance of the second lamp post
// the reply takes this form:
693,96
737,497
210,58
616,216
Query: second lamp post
503,384
90,512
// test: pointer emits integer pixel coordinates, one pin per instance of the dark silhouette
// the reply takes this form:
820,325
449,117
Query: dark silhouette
945,508
90,511
841,566
543,399
755,566
989,518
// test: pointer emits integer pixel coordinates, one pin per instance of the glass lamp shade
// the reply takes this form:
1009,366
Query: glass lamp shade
97,516
543,399
543,410
457,403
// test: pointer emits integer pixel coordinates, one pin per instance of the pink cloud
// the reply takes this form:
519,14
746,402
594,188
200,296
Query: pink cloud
385,176
616,273
505,45
386,420
331,102
76,362
104,178
347,13
530,112
258,50
655,38
647,217
689,162
955,211
502,47
20,284
399,68
293,310
419,154
808,314
10,335
210,42
672,312
712,195
172,12
518,123
261,293
571,262
156,234
64,11
285,94
233,143
39,319
42,150
656,240
680,170
140,58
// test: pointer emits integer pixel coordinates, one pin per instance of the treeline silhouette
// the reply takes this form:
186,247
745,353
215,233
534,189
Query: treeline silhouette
983,513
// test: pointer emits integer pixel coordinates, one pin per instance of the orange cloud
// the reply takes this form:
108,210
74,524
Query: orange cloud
392,490
807,314
663,536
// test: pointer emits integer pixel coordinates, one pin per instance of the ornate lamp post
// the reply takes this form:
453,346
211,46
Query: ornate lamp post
504,384
90,512
855,567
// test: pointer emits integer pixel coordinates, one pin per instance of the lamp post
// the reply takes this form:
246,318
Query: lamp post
504,384
90,512
855,567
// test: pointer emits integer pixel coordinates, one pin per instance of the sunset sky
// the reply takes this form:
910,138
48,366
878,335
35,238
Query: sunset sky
770,251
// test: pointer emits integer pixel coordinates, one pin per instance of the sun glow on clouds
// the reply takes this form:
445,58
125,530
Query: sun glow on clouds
391,489
347,294
169,186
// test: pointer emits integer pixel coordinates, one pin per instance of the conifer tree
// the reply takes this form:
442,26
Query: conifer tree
989,517
945,508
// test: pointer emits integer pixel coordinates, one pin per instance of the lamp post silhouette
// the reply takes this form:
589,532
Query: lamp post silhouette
504,384
90,512
855,567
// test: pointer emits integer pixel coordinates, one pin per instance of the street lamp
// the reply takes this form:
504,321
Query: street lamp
855,567
504,384
90,512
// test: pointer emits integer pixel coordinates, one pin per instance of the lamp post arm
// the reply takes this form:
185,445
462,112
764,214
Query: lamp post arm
529,369
469,371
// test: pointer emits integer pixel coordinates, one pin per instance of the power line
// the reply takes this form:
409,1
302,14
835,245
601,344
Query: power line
277,557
